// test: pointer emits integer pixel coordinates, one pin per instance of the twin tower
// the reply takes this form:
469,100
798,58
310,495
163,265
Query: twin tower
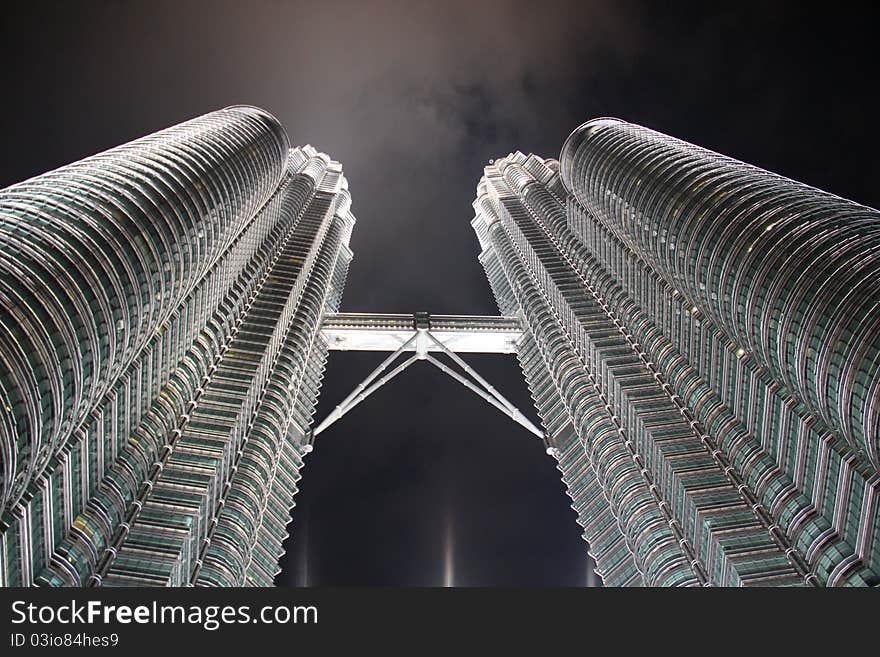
701,339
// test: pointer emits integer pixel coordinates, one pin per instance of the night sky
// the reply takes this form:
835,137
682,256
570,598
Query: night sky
413,99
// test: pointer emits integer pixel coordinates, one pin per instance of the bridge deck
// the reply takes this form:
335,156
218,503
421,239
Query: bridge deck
387,332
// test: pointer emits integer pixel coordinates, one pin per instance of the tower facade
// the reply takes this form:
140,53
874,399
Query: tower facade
702,342
701,339
161,355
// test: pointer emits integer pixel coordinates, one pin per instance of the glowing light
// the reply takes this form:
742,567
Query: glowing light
304,554
740,352
449,551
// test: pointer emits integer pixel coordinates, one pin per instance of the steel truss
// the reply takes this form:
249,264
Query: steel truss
424,335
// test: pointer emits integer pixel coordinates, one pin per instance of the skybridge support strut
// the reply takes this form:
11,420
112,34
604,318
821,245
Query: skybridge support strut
510,411
422,334
358,394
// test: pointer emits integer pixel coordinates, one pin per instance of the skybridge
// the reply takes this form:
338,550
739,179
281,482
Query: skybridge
435,339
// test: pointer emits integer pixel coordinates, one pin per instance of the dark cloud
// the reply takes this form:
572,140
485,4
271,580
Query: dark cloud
414,98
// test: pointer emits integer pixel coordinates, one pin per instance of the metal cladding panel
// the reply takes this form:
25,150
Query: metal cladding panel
96,256
213,255
741,463
789,273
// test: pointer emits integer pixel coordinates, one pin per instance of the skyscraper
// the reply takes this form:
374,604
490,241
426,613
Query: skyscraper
160,353
702,342
701,339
